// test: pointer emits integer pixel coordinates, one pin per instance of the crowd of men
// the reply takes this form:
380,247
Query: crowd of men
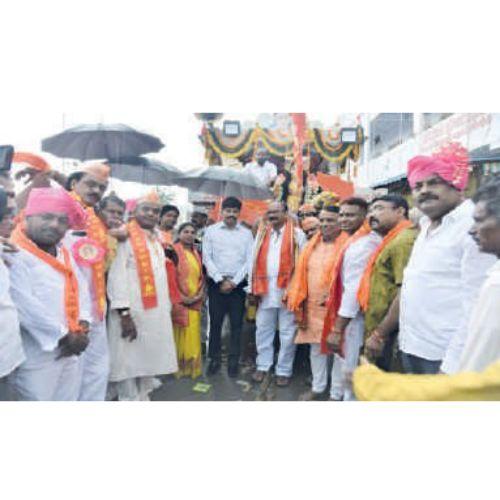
87,295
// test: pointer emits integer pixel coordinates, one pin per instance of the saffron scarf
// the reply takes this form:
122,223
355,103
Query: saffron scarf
335,294
180,315
71,298
173,288
143,262
288,255
365,283
298,289
96,231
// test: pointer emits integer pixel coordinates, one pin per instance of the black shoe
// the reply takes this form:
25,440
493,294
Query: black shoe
232,370
213,367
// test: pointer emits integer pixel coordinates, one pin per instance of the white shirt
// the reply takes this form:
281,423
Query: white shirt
266,174
11,347
440,284
226,251
275,294
482,345
37,290
354,263
86,272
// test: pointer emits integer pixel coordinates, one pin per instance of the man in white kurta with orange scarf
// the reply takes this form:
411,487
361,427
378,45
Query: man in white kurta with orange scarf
51,298
141,340
275,253
87,188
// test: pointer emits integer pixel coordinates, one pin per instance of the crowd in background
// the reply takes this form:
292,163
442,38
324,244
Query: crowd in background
100,298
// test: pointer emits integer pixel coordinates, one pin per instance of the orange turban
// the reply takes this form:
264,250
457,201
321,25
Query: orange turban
31,160
100,171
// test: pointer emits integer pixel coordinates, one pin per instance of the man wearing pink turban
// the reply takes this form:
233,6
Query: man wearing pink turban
56,200
53,306
445,270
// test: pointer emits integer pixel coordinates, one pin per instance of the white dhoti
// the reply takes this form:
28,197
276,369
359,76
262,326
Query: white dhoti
94,365
343,367
42,377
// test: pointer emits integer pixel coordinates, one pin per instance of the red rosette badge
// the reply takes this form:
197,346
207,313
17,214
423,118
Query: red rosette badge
87,252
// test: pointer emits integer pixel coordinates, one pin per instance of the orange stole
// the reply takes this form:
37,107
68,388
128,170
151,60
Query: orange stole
364,286
71,299
97,231
180,311
298,290
335,295
260,284
144,268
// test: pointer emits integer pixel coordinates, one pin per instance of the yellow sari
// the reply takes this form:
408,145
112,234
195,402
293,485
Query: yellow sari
188,339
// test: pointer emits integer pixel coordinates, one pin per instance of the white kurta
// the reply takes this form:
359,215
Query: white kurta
265,173
37,290
273,299
354,263
482,346
11,348
153,352
440,285
94,365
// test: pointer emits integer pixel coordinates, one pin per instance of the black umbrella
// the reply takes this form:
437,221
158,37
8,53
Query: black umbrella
100,141
144,170
225,181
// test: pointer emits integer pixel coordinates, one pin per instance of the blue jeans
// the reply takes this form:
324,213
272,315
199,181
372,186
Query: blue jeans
419,366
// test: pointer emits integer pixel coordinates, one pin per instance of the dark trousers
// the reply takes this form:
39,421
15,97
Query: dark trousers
386,361
220,304
419,366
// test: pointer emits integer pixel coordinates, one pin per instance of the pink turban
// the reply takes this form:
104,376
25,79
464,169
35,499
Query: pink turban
451,163
49,200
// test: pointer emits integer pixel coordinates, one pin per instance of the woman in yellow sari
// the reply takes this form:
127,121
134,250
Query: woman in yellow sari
186,316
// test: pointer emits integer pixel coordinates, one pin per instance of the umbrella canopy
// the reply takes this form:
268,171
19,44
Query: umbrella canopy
144,170
100,141
225,181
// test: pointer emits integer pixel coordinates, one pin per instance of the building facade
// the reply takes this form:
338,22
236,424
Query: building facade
393,138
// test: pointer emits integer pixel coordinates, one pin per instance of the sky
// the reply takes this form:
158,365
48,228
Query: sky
178,131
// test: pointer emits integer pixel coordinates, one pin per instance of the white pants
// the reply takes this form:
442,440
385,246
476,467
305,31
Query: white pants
319,369
268,320
134,389
42,377
340,388
94,366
